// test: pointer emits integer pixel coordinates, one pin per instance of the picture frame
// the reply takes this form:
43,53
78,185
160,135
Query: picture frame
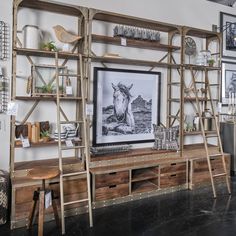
228,82
126,105
228,29
44,80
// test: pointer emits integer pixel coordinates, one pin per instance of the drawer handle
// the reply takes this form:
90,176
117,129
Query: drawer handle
173,164
52,183
112,186
112,173
173,175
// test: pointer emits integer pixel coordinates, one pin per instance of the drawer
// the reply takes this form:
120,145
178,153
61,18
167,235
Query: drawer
200,166
112,191
113,178
170,180
173,167
71,186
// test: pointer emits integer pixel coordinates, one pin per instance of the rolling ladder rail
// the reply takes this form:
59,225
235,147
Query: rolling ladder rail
205,137
83,148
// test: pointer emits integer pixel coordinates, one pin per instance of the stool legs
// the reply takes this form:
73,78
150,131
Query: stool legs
41,212
40,195
32,210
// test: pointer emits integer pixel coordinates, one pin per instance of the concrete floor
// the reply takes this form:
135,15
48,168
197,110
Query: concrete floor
185,213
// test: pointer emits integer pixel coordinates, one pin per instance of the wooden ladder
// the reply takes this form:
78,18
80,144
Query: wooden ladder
206,136
81,151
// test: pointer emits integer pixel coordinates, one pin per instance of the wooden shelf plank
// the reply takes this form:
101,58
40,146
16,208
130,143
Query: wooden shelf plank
201,33
132,20
44,53
143,174
46,98
200,67
61,8
43,144
192,99
127,61
134,43
39,144
23,165
198,132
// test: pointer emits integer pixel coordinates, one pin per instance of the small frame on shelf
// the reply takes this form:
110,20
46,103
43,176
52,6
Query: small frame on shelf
228,83
44,80
228,29
125,109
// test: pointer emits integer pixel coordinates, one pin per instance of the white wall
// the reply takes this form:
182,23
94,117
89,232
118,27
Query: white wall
199,14
6,16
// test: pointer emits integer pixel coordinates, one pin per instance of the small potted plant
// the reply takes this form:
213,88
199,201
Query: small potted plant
47,88
45,135
50,46
211,62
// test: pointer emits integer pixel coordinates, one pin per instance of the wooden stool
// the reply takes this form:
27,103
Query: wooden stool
43,174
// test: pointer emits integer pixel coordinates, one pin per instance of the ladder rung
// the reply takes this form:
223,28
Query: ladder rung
200,82
219,175
214,85
74,147
172,116
174,83
208,117
215,155
73,202
211,136
70,75
73,174
173,100
71,122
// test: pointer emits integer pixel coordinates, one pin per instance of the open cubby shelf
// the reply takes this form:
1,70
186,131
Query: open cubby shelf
144,186
144,174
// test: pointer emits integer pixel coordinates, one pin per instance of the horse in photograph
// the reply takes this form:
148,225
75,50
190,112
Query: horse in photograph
231,89
122,120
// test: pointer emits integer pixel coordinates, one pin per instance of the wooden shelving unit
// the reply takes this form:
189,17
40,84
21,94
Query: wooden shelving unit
123,176
186,94
22,186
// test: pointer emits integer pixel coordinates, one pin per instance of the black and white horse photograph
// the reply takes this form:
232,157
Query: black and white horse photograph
125,109
230,82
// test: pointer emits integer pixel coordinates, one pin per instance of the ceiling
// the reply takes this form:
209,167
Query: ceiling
229,3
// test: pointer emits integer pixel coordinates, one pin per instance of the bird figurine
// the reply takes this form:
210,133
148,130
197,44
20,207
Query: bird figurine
64,36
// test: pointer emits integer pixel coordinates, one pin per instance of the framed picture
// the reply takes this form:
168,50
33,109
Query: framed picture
126,104
228,29
228,83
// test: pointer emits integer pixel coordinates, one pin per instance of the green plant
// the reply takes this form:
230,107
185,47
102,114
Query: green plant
47,88
45,133
211,61
50,46
61,88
